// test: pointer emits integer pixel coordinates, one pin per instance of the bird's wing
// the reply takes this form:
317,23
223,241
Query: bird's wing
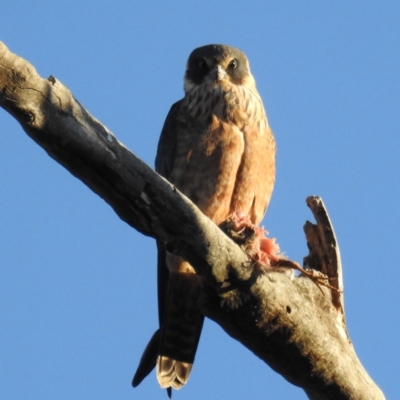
163,164
180,319
167,142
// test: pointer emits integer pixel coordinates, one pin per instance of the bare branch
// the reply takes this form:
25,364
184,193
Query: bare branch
297,328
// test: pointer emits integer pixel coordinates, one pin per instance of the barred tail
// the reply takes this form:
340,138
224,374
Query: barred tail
181,330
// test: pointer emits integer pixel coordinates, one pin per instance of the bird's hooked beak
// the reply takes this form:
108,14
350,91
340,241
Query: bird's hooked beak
218,73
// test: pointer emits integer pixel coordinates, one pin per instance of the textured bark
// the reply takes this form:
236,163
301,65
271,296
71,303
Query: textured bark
296,327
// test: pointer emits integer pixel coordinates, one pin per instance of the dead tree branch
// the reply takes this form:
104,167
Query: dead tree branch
297,328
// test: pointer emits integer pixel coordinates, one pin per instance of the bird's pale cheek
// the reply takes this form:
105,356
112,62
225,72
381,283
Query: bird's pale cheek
248,81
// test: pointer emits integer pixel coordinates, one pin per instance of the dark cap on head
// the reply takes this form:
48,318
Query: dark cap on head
206,58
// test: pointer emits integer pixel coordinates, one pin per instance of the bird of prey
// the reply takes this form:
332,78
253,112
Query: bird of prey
217,148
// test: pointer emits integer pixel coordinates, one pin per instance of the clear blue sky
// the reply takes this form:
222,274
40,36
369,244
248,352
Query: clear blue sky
78,286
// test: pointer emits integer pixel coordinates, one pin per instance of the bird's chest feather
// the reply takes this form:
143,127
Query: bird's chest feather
213,119
227,102
220,136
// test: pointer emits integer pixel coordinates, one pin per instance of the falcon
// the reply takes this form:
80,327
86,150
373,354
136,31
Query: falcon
217,148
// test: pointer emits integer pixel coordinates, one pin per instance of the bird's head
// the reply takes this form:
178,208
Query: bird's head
215,63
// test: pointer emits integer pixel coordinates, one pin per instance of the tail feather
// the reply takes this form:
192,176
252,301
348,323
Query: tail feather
148,360
172,373
172,348
181,330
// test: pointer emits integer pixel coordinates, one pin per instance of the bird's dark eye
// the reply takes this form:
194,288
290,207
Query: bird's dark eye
202,64
233,64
